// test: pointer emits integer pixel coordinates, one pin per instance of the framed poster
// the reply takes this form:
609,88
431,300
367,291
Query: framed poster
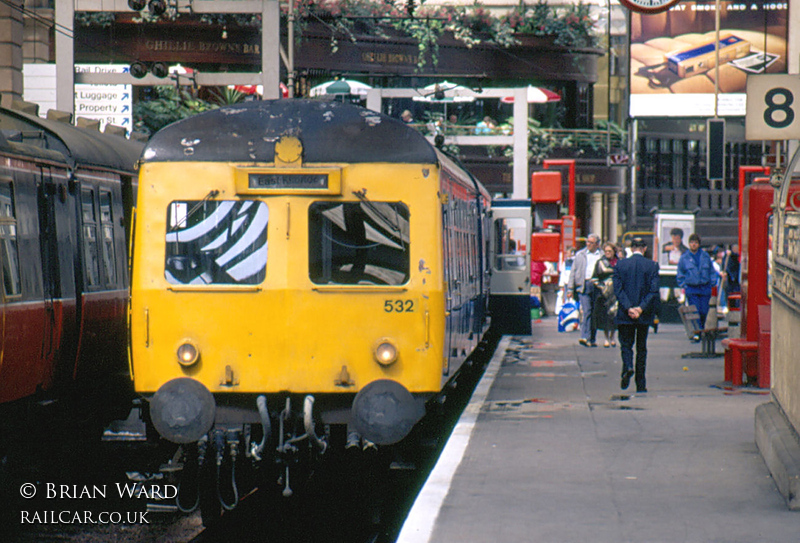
672,235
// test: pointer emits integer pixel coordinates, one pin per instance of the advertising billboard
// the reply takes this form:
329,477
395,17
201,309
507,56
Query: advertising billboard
673,59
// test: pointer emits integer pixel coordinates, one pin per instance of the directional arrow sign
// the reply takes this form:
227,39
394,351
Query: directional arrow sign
110,104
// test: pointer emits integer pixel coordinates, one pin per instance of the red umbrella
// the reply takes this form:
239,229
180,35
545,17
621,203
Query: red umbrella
256,89
536,95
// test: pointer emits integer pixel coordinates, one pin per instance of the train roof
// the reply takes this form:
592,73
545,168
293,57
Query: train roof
34,136
331,132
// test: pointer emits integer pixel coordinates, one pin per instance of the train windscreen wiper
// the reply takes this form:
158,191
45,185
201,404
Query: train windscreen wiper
393,222
183,220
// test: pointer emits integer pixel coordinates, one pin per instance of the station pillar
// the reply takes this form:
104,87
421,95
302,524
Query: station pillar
596,219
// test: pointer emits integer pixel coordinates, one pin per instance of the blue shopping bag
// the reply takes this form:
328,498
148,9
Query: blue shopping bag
568,316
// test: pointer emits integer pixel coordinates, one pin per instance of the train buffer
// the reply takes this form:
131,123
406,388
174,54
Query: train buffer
707,337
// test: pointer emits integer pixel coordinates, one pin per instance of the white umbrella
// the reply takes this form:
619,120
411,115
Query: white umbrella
445,92
536,95
340,86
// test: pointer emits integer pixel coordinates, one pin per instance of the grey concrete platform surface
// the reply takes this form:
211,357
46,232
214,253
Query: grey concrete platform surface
551,450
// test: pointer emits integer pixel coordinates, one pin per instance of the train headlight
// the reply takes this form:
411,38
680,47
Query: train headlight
386,352
188,354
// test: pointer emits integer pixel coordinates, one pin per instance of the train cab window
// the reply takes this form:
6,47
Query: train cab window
358,243
12,286
509,240
91,262
212,242
107,227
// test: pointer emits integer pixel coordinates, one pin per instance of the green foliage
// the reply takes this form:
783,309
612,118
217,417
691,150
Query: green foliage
226,96
542,142
170,106
103,19
569,26
426,33
232,19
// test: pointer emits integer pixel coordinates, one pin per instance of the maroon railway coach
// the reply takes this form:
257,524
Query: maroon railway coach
65,200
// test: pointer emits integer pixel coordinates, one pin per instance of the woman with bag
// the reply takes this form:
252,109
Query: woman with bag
606,301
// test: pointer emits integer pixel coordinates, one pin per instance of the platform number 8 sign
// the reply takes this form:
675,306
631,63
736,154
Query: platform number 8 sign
772,102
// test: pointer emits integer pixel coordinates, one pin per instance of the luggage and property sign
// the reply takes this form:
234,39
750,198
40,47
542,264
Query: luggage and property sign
773,107
110,104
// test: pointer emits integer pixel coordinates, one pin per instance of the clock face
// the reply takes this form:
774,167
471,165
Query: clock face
648,6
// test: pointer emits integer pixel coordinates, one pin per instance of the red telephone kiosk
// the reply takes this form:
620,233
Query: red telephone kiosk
749,354
553,233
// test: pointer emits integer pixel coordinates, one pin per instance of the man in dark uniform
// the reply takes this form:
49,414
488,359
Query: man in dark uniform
636,288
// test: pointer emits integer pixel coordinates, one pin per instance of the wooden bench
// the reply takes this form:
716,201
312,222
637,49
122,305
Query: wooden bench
706,336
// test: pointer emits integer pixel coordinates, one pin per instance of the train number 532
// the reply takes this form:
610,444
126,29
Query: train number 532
398,306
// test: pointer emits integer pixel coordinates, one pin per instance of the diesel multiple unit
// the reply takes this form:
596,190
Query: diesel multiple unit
305,276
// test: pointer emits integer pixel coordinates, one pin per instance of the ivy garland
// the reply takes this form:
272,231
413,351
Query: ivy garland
569,25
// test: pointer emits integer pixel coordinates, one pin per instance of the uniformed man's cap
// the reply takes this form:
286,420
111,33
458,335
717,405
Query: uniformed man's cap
638,242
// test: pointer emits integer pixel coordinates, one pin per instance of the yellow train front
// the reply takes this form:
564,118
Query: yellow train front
305,274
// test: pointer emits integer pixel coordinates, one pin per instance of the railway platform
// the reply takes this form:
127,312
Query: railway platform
550,449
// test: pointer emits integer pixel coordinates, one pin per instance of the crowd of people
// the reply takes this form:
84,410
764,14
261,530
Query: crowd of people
617,290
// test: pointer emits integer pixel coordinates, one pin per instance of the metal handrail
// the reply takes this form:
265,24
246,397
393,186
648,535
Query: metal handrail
595,139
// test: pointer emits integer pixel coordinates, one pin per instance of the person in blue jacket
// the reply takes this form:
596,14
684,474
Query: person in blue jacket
697,276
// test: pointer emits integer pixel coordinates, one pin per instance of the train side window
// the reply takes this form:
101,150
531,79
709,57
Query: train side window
216,242
358,243
91,264
12,285
107,227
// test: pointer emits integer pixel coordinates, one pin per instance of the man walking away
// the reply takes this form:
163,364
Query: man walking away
696,276
636,288
580,282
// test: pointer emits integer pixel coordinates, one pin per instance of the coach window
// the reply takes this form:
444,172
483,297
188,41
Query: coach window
107,226
90,250
12,285
358,243
212,242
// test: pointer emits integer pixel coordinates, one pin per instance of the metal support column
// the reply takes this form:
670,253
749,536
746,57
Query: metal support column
612,216
596,218
270,45
520,185
65,56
